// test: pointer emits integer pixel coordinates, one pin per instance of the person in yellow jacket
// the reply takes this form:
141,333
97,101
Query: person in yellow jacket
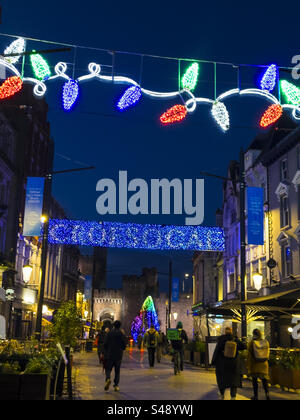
151,341
258,368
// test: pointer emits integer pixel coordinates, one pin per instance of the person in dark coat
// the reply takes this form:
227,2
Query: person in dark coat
100,338
178,345
228,370
114,345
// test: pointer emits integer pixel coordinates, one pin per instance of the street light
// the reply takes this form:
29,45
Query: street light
175,315
27,271
257,280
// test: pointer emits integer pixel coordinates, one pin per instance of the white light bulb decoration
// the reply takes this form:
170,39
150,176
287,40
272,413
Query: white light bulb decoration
16,47
221,115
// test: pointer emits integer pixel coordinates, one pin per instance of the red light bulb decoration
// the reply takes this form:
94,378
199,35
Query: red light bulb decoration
175,114
10,87
272,114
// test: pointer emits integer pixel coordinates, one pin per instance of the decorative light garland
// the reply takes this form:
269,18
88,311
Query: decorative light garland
291,92
220,114
70,94
131,97
16,47
272,114
176,113
10,87
269,78
189,79
136,236
40,66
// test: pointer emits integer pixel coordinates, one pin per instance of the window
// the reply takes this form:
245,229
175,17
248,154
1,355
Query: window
264,271
284,211
248,275
286,260
231,283
283,170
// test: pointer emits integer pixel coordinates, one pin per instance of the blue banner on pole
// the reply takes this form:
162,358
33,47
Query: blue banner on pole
33,206
255,201
175,289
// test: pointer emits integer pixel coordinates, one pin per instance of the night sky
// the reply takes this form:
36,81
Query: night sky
96,134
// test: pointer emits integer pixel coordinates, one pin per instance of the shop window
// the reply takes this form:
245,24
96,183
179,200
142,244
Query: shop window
284,211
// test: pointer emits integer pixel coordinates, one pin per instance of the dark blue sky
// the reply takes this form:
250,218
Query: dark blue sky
95,134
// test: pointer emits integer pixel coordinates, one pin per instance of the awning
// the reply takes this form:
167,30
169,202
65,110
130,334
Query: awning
45,322
287,301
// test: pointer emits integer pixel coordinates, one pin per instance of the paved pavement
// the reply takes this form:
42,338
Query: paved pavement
139,382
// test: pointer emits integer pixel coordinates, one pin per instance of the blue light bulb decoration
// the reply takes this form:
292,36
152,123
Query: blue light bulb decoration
70,94
269,78
131,97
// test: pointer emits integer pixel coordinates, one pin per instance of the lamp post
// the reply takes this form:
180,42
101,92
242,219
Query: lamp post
26,271
46,216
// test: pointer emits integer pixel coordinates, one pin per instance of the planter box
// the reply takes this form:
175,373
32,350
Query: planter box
289,378
274,375
196,358
35,386
187,356
199,358
9,386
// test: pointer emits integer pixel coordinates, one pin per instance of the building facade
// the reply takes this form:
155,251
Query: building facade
272,164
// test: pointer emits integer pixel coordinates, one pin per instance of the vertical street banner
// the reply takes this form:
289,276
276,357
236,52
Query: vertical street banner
255,204
33,206
175,289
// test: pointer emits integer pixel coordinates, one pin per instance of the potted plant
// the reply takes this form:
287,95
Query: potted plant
289,370
199,353
35,380
66,330
9,381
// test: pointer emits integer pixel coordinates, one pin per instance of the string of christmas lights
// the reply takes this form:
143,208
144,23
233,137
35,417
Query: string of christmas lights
133,94
137,236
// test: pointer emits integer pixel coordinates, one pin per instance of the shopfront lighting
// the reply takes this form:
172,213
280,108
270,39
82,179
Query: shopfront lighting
290,329
257,280
45,310
27,271
175,315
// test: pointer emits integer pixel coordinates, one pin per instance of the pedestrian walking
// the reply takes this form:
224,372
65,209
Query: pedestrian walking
258,363
178,345
140,341
160,343
114,346
99,341
227,361
151,341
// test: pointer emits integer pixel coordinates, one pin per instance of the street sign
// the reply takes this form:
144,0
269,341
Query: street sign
255,201
33,206
271,263
175,289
